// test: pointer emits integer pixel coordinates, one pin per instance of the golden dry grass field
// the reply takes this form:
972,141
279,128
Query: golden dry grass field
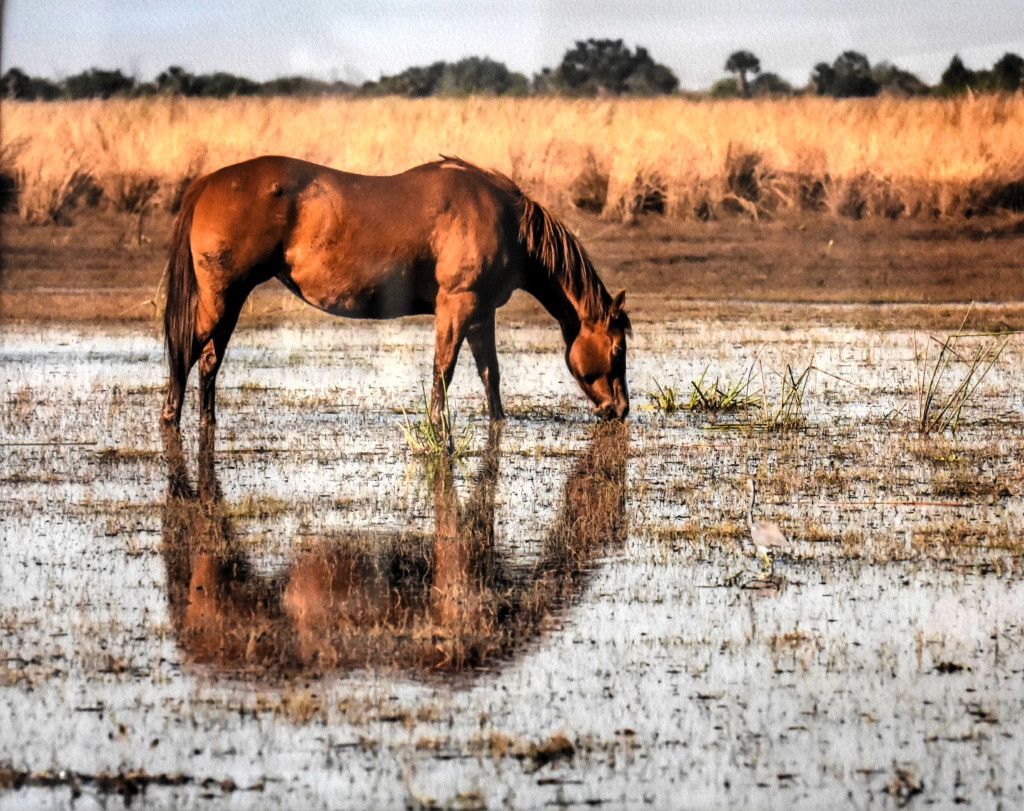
690,159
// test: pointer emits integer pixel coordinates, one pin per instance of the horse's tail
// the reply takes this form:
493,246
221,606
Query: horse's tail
182,289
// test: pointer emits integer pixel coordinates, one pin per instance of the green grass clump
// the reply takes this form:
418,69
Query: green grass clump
789,414
718,397
427,439
707,396
664,398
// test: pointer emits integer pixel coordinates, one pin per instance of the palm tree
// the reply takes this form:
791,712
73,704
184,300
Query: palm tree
740,63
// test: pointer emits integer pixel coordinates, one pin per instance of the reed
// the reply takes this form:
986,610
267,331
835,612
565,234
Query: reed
882,157
948,380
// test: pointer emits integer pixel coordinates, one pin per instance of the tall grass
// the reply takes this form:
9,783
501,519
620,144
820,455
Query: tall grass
948,380
689,159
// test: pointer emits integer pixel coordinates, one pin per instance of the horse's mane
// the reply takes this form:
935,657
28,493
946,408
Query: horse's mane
552,245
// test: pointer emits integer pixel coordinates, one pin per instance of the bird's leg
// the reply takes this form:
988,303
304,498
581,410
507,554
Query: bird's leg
769,565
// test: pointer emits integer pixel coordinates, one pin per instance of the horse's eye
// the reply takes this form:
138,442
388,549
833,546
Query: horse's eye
589,379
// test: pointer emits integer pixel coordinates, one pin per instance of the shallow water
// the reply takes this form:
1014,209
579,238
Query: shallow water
547,622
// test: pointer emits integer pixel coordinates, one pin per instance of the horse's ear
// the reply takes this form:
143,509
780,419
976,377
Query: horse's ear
617,315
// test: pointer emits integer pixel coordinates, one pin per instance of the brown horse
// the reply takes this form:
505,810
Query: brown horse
446,238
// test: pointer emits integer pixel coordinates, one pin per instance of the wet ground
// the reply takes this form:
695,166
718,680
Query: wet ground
300,613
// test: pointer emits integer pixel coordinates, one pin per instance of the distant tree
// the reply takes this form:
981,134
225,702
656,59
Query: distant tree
823,77
470,76
16,84
480,76
294,86
222,85
606,66
770,84
741,63
98,83
897,82
957,77
848,76
1008,72
650,78
176,81
853,76
727,88
415,82
303,86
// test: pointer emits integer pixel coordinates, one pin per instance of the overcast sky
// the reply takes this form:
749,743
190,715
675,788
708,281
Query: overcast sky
357,40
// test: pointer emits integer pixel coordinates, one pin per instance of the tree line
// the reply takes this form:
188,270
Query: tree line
593,67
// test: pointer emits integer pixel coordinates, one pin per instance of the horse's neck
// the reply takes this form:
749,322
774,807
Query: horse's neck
556,300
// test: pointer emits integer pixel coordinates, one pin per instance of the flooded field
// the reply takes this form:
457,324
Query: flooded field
301,613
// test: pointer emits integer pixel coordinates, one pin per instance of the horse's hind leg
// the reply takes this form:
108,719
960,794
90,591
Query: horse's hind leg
175,397
216,332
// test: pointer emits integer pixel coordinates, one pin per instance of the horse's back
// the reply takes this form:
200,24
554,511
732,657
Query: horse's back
337,238
267,191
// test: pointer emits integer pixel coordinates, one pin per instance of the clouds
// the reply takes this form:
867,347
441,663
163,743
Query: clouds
361,39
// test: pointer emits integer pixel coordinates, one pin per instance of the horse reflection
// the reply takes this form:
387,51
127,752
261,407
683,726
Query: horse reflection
448,602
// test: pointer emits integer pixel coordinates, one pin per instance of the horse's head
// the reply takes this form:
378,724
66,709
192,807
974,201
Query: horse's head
597,359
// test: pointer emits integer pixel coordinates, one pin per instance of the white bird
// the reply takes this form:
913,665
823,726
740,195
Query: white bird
765,535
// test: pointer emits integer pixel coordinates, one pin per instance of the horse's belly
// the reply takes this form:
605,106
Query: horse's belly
391,295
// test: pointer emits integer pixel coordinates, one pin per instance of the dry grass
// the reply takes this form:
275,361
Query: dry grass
850,158
948,381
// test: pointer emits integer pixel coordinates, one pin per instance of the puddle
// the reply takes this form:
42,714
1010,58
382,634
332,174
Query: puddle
302,614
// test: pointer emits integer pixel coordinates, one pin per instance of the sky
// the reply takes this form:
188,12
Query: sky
358,40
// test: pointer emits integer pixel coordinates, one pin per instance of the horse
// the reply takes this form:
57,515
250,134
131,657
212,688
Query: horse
447,238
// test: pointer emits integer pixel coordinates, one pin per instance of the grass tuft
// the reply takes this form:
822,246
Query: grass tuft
427,439
665,398
947,382
719,397
788,415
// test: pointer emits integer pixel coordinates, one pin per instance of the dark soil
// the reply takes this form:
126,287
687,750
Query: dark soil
90,271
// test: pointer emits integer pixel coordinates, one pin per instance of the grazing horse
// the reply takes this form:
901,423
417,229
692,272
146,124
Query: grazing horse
446,238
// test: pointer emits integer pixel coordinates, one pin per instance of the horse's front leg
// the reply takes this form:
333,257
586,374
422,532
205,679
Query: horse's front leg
450,322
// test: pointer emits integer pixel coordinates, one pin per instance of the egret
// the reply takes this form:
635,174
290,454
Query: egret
765,535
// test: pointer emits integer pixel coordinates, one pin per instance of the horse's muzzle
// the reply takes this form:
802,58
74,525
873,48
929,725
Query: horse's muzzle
613,411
